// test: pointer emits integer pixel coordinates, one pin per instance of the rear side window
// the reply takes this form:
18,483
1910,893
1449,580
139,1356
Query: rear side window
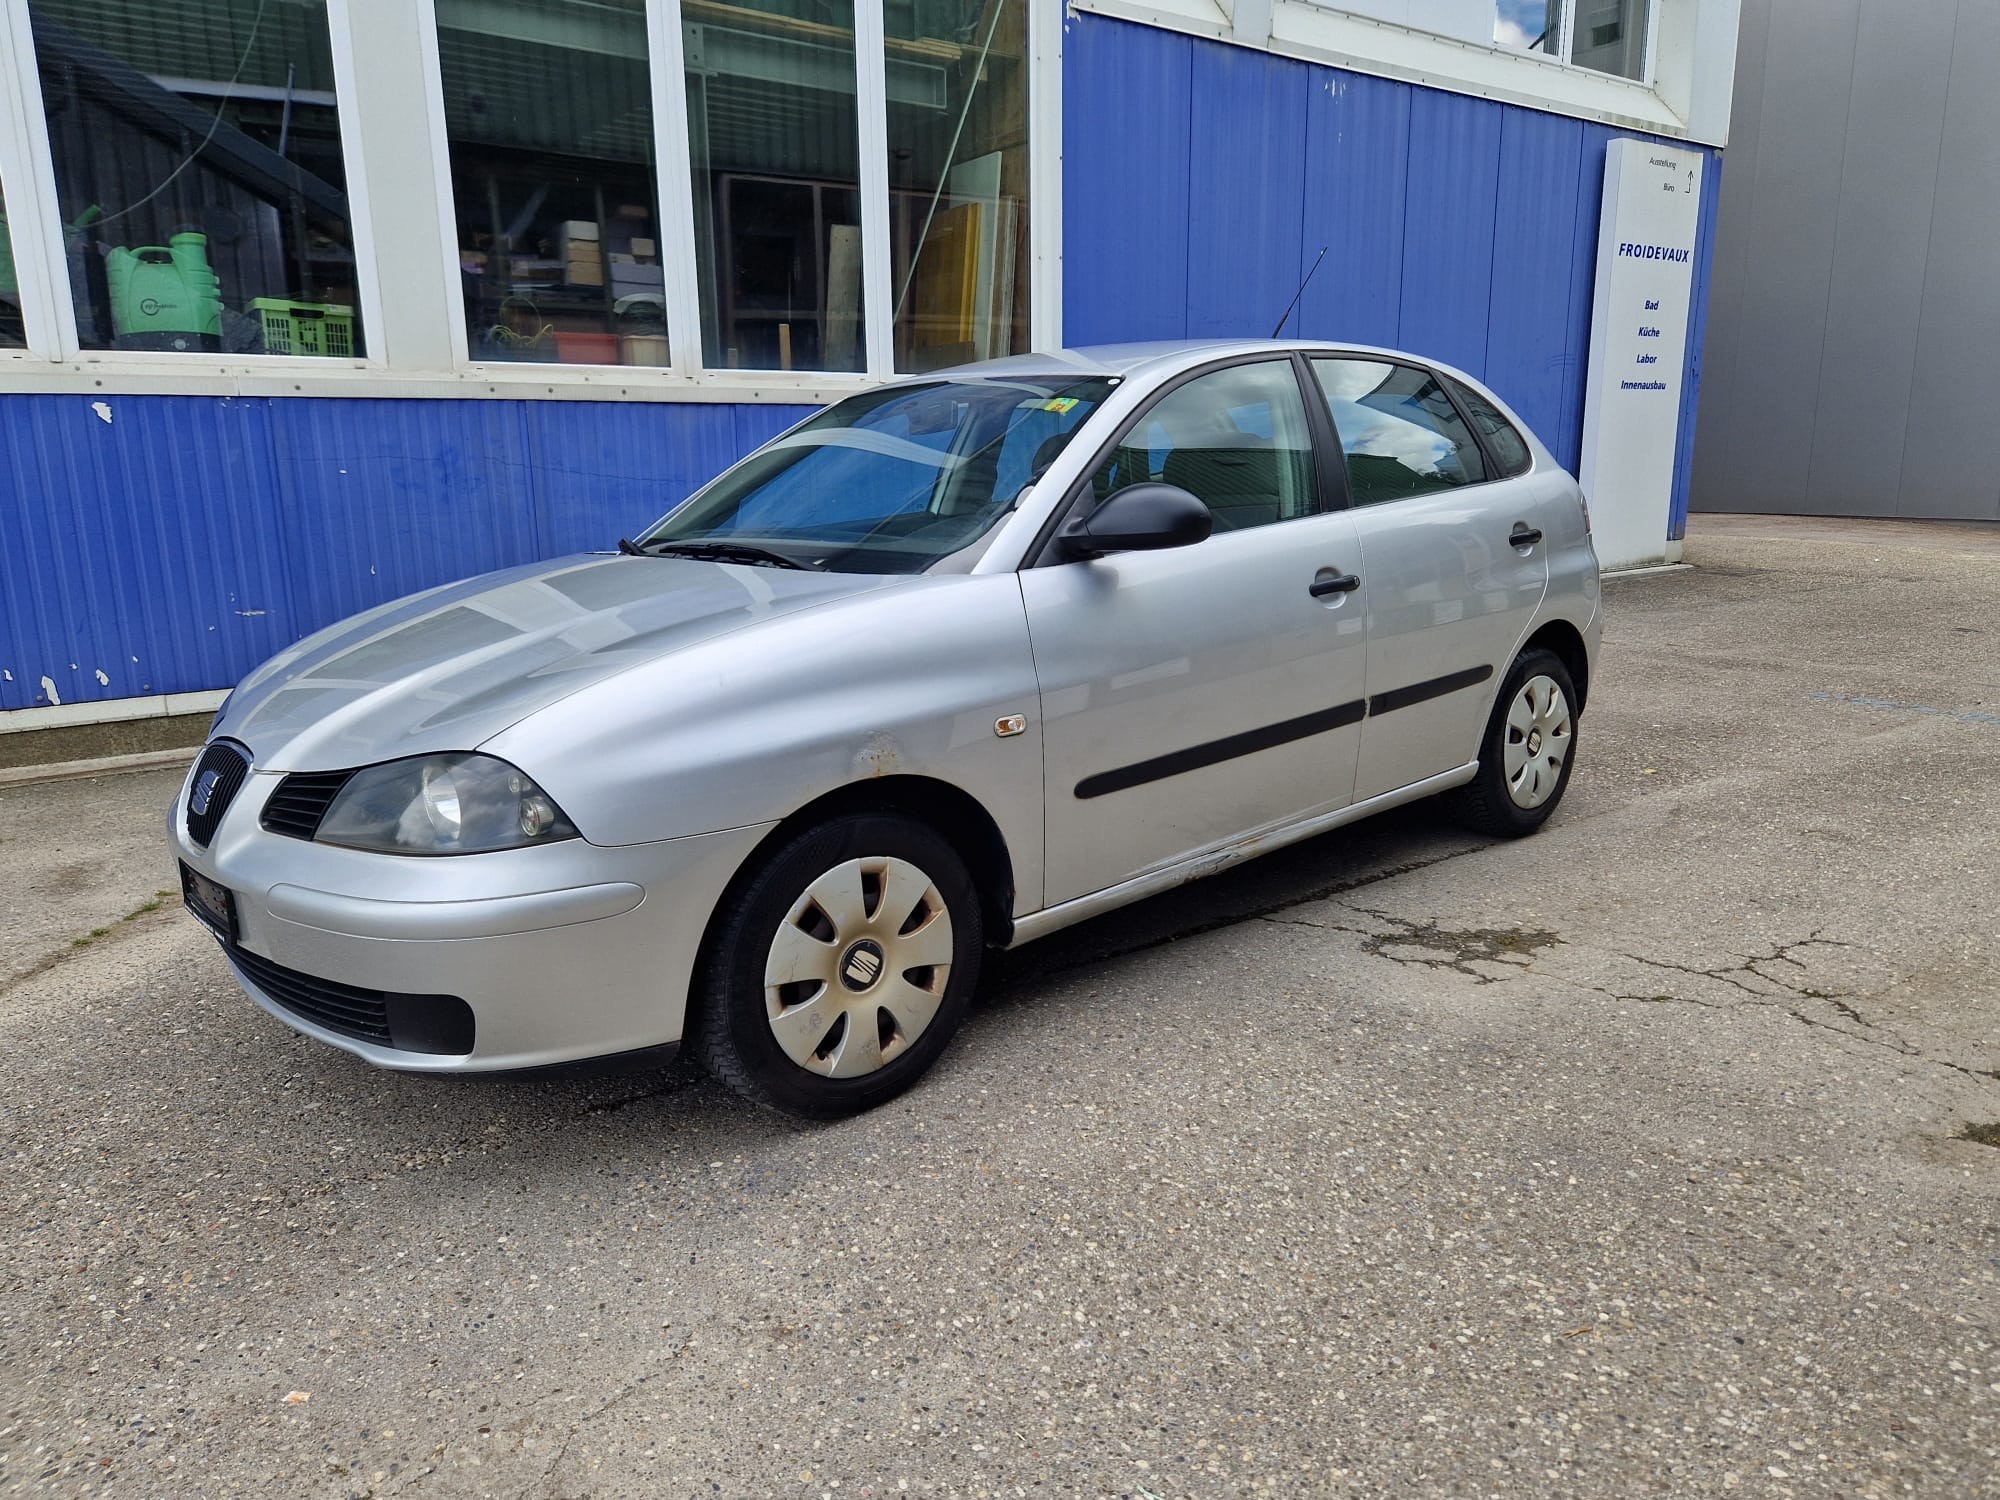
1503,439
1401,434
1236,437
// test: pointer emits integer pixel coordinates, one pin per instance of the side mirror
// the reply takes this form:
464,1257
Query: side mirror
1138,518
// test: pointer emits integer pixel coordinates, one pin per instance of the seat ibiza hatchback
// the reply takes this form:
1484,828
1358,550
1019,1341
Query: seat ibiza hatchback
950,665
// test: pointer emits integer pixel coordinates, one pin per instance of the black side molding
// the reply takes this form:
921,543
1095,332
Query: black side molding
1418,692
1216,751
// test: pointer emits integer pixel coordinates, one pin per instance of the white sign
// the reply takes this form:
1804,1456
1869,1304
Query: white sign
1638,347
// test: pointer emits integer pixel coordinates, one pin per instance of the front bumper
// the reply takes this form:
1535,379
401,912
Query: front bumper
560,953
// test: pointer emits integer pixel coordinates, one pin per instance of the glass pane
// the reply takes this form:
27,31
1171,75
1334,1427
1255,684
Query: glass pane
1509,449
12,334
1610,36
1401,434
772,129
199,174
1236,439
958,179
1529,25
893,480
548,107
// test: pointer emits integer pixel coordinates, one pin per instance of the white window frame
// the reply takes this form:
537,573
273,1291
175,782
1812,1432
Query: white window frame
50,304
424,353
1689,101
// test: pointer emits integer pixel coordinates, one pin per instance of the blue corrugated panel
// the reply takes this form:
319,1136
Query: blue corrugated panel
138,553
1126,104
1246,174
1357,173
1528,350
1567,441
1704,260
176,545
1456,227
1448,227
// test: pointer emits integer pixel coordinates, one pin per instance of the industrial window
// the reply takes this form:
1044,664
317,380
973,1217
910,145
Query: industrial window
13,333
548,111
199,175
1606,36
1236,438
958,179
1509,449
775,140
1399,430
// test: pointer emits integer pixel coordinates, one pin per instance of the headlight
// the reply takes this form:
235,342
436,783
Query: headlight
442,804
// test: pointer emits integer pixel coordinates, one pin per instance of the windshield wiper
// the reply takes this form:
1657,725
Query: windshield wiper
729,552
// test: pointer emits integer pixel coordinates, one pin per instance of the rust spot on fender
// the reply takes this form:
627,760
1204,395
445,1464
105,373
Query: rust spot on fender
879,757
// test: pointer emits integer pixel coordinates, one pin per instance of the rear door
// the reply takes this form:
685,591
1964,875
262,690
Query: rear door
1451,560
1198,693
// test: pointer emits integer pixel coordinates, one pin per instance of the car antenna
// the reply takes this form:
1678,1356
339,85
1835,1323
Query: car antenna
1299,293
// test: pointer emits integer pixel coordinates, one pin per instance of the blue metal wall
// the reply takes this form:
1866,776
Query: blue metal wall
1200,180
173,547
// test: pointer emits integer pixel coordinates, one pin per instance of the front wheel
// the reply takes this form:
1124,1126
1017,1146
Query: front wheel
841,968
1528,751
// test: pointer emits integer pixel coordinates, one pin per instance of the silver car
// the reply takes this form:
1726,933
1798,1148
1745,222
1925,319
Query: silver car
950,665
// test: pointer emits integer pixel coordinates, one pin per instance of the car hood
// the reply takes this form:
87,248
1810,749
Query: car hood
451,668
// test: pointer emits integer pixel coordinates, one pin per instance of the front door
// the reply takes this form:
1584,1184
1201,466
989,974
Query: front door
1196,694
1449,592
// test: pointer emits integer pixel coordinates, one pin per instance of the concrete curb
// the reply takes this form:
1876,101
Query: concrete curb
109,765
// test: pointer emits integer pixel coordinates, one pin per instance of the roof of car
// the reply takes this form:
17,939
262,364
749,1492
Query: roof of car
1127,359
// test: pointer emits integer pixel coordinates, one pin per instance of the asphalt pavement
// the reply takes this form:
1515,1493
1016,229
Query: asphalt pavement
1641,1156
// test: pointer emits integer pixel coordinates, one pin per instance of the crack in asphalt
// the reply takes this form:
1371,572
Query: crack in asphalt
96,939
1458,948
1465,947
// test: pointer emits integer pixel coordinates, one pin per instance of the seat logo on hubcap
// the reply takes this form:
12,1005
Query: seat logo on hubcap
1535,743
862,966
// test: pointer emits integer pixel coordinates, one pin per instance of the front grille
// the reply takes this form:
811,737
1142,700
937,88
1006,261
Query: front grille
439,1024
361,1014
300,803
218,777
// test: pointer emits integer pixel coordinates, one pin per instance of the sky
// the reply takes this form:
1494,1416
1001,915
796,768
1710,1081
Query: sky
1516,23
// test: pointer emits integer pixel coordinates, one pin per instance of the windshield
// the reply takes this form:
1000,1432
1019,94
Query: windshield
890,481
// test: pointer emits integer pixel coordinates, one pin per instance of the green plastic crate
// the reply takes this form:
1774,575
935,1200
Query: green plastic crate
313,328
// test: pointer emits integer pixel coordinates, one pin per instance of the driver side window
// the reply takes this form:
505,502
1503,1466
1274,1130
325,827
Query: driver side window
1236,438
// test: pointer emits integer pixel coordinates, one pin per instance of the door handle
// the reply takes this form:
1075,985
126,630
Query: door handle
1334,583
1523,535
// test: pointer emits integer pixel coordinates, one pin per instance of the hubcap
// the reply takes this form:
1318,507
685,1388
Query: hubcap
858,967
1537,741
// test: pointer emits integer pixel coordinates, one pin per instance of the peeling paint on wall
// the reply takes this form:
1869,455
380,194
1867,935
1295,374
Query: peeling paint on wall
49,691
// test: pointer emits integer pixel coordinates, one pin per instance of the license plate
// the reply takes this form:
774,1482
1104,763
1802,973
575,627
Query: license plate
211,903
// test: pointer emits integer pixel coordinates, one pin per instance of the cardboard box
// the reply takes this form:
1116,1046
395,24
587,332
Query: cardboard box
644,249
644,348
627,280
579,229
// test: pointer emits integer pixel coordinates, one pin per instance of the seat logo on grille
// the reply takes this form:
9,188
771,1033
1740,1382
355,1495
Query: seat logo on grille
203,793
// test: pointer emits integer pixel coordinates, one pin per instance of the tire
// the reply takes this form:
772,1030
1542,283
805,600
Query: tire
844,910
1527,753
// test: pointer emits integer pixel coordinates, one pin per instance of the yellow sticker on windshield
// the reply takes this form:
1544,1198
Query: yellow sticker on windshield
1060,404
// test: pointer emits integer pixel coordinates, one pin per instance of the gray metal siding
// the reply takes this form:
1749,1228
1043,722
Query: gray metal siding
1855,309
1947,470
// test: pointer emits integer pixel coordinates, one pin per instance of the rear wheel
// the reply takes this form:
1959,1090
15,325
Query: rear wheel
841,968
1528,752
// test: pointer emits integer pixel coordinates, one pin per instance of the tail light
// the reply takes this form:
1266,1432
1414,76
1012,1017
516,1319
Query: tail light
1584,501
